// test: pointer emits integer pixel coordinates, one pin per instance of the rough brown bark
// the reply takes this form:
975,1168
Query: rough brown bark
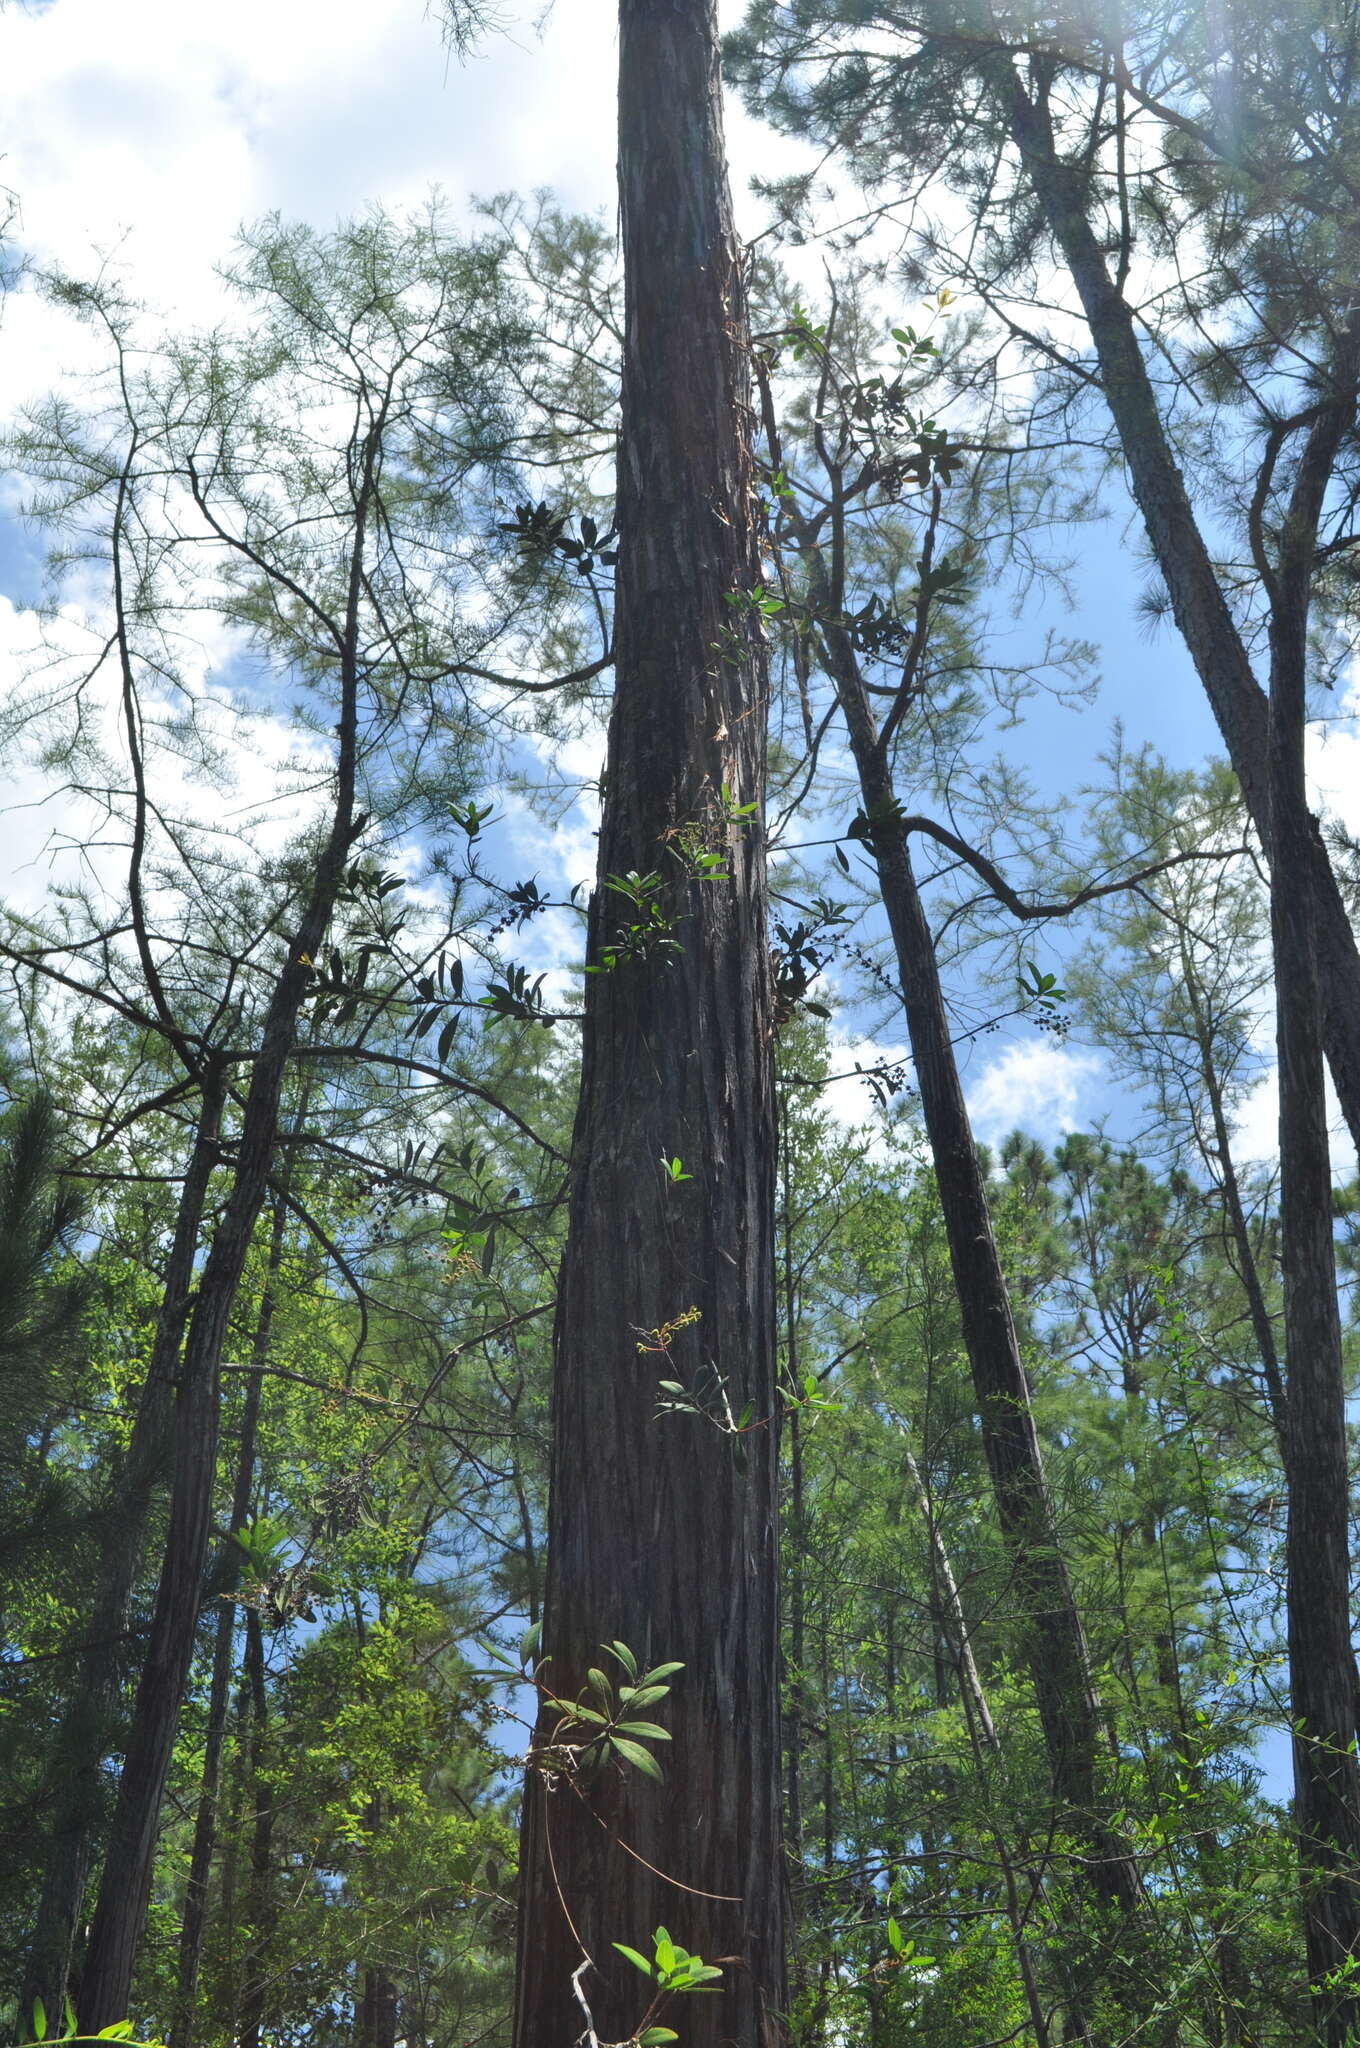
663,1533
84,1734
1201,611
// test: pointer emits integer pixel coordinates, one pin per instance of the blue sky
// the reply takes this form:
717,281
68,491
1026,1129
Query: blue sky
144,134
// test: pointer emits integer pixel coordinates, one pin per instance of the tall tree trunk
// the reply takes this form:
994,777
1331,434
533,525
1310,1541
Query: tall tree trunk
1321,1658
205,1827
85,1728
663,1534
1054,1640
1201,611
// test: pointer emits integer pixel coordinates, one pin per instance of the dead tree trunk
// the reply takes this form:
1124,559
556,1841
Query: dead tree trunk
663,1533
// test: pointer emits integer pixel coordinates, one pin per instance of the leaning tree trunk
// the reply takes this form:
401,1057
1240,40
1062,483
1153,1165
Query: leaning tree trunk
120,1913
662,1533
1054,1640
83,1738
1200,609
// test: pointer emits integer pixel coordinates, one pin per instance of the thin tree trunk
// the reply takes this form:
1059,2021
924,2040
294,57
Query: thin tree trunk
260,1913
663,1533
205,1828
1201,611
120,1913
1321,1657
1263,1329
797,1536
85,1729
1054,1640
377,2015
982,1733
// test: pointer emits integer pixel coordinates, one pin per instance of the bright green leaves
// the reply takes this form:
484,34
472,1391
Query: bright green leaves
1041,995
601,1725
645,929
119,2030
673,1969
904,1949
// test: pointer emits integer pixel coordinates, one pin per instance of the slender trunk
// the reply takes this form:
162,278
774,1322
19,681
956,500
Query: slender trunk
1201,611
982,1734
83,1738
1054,1640
663,1534
120,1913
1248,1271
797,1535
1321,1656
260,1914
205,1828
377,2015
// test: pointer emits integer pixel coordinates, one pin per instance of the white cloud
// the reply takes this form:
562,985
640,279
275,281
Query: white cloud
1257,1128
152,130
1333,757
847,1099
1039,1086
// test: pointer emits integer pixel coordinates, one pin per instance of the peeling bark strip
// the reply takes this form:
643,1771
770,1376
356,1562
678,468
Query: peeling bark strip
662,1533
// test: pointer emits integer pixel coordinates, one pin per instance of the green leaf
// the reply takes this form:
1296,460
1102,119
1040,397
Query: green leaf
639,1962
600,1685
633,1753
665,1949
529,1641
660,1671
648,1730
639,1696
651,2037
625,1657
39,2020
896,1939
